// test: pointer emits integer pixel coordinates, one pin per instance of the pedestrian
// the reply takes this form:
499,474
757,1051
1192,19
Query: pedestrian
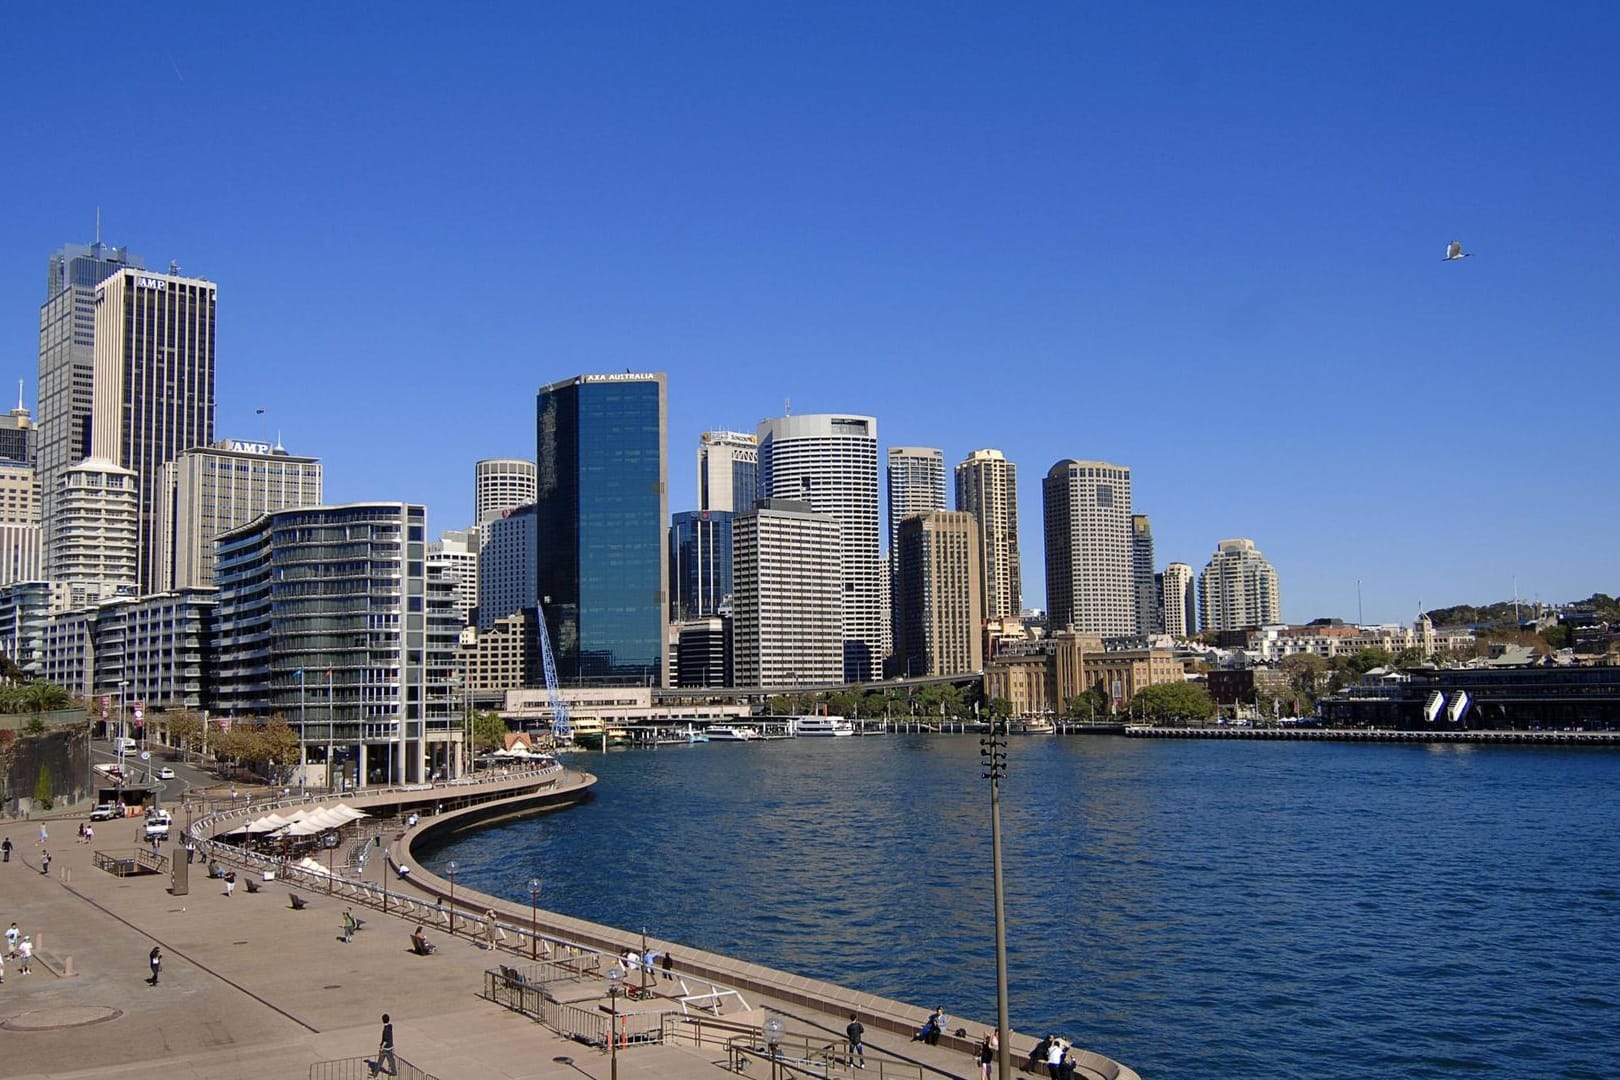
89,834
44,837
155,960
5,850
385,1050
45,863
230,882
12,937
491,930
2,969
668,964
986,1054
857,1047
349,925
1056,1052
25,955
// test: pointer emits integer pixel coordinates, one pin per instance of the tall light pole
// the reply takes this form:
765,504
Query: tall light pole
534,921
451,869
615,978
993,755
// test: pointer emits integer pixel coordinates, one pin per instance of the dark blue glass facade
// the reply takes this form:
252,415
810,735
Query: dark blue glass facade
600,513
700,563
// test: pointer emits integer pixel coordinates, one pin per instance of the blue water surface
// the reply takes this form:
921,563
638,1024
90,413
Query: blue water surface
1255,909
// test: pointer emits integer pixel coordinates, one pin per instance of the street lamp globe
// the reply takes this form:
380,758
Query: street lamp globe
615,980
773,1034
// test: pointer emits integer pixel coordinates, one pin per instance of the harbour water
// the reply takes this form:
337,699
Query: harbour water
1195,909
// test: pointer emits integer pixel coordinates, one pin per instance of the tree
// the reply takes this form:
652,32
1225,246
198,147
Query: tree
42,788
1089,704
1181,702
488,733
843,703
185,728
1000,708
1305,672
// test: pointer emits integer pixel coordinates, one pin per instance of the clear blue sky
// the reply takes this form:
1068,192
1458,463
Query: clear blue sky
1200,240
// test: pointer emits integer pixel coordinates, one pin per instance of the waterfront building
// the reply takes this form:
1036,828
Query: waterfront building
1558,698
787,619
602,518
328,616
987,488
20,539
1178,600
66,652
506,656
25,610
94,532
508,554
502,484
700,561
207,490
703,652
940,627
1238,588
620,706
67,338
17,434
1328,638
157,651
455,555
154,384
829,461
1043,677
728,471
1149,619
1090,578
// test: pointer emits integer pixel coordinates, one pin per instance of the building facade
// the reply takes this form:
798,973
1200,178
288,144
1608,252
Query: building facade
940,627
208,490
1178,600
700,564
1145,589
1238,588
1045,677
728,471
602,519
454,555
703,652
326,617
501,484
987,488
1090,577
95,532
504,657
507,565
25,610
20,539
17,434
787,618
154,384
830,461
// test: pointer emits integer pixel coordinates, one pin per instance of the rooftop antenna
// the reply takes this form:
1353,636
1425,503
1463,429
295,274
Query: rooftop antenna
20,405
98,225
787,406
1359,620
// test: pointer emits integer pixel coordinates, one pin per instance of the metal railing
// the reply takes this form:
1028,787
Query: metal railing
803,1056
361,1069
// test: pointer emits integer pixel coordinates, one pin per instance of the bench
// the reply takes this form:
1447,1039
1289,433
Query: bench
252,886
299,903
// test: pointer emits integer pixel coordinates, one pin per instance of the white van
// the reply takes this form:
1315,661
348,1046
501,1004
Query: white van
157,825
123,744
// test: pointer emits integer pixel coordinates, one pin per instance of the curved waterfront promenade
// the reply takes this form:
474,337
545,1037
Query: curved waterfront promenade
254,988
1378,735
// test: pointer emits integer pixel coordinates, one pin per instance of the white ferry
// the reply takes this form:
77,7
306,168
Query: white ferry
732,733
808,727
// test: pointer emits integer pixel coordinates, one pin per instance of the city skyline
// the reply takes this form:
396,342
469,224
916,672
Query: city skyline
1199,247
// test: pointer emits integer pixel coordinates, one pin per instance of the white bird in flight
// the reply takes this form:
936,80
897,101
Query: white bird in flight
1454,251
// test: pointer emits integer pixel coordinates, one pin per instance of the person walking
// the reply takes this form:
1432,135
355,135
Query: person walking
668,964
857,1045
385,1050
230,882
45,863
349,926
44,836
5,850
986,1054
154,960
25,955
90,834
12,937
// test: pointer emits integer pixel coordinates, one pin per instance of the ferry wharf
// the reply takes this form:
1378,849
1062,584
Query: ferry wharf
1495,736
256,985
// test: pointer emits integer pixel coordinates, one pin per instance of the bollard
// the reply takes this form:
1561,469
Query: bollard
68,970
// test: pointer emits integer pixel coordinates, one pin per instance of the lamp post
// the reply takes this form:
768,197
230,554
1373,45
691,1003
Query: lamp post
534,921
615,978
773,1043
993,754
452,868
643,960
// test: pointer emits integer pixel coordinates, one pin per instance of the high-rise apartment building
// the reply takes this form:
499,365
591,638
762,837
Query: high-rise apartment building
1144,587
455,555
1090,582
502,484
508,550
789,580
1178,600
987,488
67,337
208,490
94,532
602,519
728,471
916,485
830,461
1238,588
941,622
20,540
25,612
154,383
700,559
328,616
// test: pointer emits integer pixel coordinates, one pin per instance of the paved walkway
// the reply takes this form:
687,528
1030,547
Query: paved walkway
254,989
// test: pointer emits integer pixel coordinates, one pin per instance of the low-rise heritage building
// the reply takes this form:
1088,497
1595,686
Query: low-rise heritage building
1047,675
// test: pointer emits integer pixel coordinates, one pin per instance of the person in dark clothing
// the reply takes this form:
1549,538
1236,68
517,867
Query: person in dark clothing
155,960
385,1050
857,1047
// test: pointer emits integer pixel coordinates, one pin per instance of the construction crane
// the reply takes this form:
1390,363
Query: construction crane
561,728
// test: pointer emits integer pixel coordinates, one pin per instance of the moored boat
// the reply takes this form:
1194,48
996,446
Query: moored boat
732,733
808,727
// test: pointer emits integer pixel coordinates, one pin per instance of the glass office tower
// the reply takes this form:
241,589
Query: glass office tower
601,518
700,564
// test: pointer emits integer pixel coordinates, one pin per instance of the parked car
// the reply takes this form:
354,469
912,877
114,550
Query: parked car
165,773
106,812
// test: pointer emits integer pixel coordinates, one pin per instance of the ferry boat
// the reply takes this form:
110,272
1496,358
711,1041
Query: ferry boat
1032,725
732,733
590,732
808,727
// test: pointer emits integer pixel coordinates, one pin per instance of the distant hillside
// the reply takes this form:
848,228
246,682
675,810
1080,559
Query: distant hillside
1602,606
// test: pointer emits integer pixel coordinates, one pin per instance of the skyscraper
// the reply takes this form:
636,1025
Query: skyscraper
95,532
788,623
1178,600
728,471
601,518
501,484
1090,582
67,323
700,560
208,490
154,383
939,632
20,539
1143,586
916,485
1238,588
507,551
17,433
987,488
829,460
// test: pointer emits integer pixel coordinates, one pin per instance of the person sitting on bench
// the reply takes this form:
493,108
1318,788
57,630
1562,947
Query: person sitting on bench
420,945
